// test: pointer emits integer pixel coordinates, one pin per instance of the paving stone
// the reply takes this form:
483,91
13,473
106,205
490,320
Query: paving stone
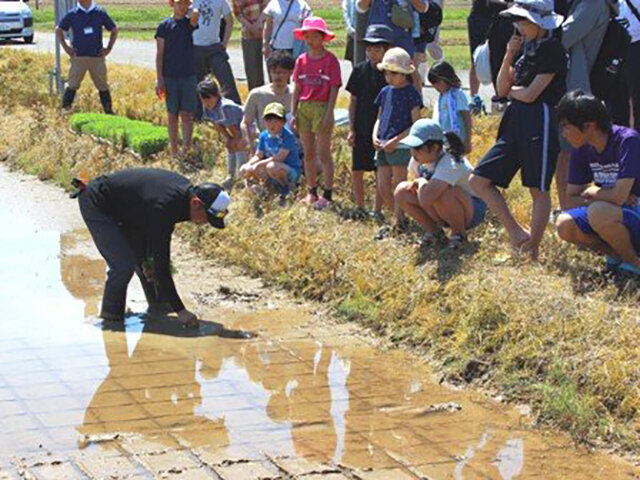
148,445
193,474
322,476
248,471
395,474
175,461
301,466
99,466
55,471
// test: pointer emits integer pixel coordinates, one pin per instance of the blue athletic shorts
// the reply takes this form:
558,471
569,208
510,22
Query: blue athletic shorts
630,219
181,94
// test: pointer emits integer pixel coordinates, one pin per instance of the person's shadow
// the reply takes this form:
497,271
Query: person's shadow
449,262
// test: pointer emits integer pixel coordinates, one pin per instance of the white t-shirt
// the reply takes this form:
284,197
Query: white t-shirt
634,23
276,10
208,31
446,170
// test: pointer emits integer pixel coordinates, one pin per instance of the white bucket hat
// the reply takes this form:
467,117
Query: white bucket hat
539,12
396,59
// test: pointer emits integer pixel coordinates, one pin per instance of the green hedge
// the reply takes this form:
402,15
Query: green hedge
141,137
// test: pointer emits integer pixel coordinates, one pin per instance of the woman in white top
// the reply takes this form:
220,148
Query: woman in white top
440,194
282,17
630,11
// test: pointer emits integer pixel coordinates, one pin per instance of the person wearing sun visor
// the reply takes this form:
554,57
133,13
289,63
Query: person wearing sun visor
131,215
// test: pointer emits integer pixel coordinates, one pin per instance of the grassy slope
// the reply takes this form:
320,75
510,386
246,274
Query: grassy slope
139,22
554,335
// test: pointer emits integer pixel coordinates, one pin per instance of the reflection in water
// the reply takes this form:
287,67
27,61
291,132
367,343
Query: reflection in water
338,373
60,377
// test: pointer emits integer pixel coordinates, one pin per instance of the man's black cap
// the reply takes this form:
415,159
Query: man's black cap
379,33
216,200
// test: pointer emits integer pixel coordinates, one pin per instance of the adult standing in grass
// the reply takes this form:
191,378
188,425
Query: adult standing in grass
397,15
131,215
630,11
250,14
282,17
176,74
604,183
582,35
349,17
211,50
280,67
532,76
86,52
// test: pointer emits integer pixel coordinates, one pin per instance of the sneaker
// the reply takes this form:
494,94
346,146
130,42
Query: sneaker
378,216
456,241
629,268
310,199
612,263
476,106
430,239
383,233
321,204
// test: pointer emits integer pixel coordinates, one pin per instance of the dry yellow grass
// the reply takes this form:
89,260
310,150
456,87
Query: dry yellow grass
553,334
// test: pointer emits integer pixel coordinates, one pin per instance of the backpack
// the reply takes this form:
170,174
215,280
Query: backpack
429,23
607,69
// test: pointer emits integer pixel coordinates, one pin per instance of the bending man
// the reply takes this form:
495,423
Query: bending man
131,215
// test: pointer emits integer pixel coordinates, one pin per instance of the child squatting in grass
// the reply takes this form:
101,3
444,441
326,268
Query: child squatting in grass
176,73
440,194
226,117
317,80
277,159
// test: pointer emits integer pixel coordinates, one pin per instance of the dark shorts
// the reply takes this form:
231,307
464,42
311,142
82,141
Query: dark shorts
630,219
398,158
181,94
478,28
479,212
363,156
527,141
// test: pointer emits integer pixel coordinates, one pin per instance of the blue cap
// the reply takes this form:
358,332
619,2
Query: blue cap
422,131
379,33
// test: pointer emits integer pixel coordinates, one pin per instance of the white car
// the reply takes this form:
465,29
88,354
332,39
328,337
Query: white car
16,20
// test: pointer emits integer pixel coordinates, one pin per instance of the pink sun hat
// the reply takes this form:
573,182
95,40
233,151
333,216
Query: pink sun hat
316,24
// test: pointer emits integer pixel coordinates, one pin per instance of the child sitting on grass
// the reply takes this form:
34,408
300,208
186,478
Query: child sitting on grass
399,105
317,81
452,112
276,159
226,117
175,70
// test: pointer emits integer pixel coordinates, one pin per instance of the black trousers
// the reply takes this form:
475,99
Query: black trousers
116,247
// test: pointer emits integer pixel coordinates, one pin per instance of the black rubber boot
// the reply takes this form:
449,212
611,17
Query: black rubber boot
105,100
67,98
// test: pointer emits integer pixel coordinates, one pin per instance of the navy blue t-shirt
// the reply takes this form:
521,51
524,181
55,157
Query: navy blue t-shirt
395,106
87,29
179,60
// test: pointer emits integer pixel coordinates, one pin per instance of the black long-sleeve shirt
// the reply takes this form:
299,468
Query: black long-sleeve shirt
148,203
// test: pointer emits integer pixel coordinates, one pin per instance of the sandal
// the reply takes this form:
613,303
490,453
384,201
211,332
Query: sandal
456,241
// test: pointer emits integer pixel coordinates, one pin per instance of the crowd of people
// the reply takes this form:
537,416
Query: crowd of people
542,57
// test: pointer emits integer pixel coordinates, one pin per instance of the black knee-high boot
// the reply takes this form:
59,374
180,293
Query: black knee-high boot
68,97
105,100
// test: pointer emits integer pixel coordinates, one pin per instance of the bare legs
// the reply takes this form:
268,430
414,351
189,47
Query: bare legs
187,131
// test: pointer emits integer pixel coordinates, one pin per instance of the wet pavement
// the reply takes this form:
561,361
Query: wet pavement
281,393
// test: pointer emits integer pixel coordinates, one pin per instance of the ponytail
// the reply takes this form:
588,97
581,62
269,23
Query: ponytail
454,146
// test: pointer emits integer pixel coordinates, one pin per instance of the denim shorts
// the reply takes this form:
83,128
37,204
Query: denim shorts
479,212
181,94
400,157
630,219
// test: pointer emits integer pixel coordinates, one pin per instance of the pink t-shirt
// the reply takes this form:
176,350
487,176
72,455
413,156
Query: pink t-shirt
316,76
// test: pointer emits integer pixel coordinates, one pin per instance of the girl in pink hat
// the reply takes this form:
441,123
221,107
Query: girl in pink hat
317,80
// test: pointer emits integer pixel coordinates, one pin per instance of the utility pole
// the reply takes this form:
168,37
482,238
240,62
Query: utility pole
61,8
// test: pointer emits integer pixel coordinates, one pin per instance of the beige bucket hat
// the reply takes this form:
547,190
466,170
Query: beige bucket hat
396,59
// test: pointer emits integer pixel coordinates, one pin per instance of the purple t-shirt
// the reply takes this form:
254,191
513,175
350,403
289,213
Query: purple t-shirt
620,159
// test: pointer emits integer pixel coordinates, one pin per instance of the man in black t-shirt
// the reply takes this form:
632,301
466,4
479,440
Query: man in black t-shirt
532,77
364,84
131,215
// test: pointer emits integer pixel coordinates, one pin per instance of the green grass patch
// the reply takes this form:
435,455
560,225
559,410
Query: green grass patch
142,137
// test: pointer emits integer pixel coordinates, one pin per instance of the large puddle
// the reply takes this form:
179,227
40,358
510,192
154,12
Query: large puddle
299,400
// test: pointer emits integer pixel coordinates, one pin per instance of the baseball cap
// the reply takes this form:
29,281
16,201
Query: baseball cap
216,200
421,132
378,33
276,109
